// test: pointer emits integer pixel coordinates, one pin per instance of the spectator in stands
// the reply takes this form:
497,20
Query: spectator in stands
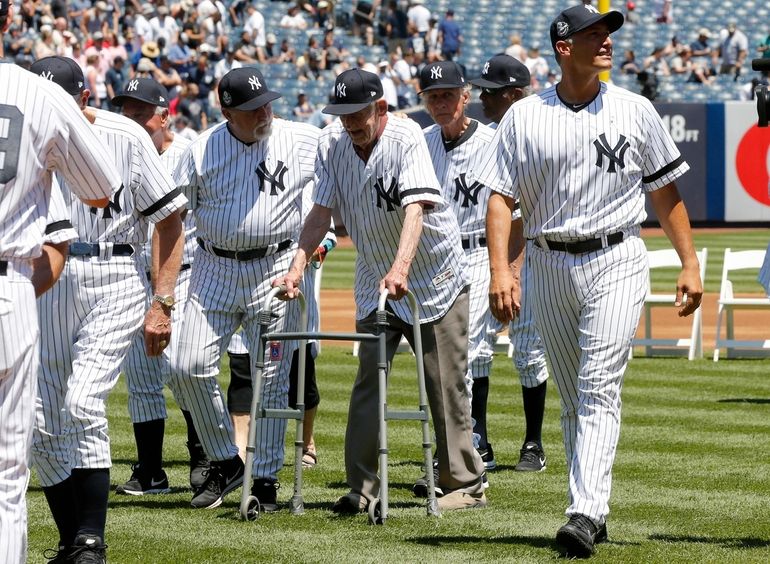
247,52
629,64
255,27
334,50
75,11
44,46
396,27
100,17
180,55
419,18
286,53
664,11
364,15
404,76
116,79
450,36
536,63
203,77
432,40
323,17
163,26
192,30
226,64
293,19
142,25
237,9
303,110
764,49
733,48
656,63
632,17
182,128
516,49
112,47
191,107
701,50
168,76
682,63
389,90
213,30
96,82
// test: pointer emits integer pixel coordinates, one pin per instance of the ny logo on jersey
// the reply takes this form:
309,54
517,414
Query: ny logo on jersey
435,72
255,83
470,193
391,197
132,86
274,179
616,154
113,204
341,90
486,68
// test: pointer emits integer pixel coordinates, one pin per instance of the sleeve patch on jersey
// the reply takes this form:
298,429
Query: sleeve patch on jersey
443,277
664,171
162,202
57,226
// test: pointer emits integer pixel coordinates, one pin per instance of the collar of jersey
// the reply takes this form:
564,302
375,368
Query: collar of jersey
577,107
467,134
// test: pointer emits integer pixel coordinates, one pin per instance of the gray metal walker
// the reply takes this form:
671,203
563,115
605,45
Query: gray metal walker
378,508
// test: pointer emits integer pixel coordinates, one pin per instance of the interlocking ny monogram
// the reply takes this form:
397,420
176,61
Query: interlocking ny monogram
275,179
470,193
615,154
391,197
114,204
435,72
132,86
341,88
255,83
486,68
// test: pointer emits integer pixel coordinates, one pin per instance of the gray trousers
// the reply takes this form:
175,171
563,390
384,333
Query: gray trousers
445,350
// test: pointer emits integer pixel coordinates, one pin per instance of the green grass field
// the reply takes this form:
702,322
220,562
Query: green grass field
691,482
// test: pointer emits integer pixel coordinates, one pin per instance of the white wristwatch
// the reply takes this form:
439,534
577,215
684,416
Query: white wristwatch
167,301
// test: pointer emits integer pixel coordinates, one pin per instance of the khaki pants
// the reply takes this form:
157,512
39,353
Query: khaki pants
445,346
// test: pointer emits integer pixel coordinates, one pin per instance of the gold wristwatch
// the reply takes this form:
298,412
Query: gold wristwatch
167,301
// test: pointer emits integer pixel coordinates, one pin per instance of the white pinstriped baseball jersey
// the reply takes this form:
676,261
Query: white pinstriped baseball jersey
147,194
36,118
371,198
542,142
59,228
458,166
263,212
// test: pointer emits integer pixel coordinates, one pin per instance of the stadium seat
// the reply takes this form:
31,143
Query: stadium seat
736,261
692,345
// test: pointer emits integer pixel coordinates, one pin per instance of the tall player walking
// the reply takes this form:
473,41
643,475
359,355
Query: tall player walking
91,316
503,82
370,165
43,132
605,148
145,101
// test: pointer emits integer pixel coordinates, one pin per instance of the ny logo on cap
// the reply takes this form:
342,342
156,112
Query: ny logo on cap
254,83
486,68
591,9
132,86
341,87
48,75
562,29
435,72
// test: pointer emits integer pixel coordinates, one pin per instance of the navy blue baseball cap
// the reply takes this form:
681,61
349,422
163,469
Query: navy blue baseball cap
578,18
61,70
502,71
245,89
145,90
441,74
354,90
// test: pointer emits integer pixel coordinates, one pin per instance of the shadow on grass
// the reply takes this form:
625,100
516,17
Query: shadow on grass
149,502
745,400
749,542
524,540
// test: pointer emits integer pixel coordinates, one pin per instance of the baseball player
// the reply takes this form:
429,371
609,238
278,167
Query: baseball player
370,165
145,101
504,81
91,316
244,179
458,147
42,132
580,156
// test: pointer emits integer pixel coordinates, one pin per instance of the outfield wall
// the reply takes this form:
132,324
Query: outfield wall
728,155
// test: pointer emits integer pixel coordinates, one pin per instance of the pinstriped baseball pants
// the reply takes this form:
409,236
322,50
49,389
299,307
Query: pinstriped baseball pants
528,350
225,294
587,308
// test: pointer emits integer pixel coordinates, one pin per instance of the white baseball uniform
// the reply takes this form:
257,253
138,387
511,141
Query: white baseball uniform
457,165
41,130
145,375
581,174
95,309
245,198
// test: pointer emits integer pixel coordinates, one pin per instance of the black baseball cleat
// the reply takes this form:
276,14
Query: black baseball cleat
221,478
266,491
531,458
487,457
58,555
199,464
579,536
144,483
88,549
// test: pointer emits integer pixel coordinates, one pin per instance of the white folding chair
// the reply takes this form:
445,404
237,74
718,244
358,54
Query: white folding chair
692,345
728,303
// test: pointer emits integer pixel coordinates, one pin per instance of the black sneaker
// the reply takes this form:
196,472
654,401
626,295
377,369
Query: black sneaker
220,479
531,459
199,464
58,555
579,536
142,482
266,491
420,488
487,457
88,549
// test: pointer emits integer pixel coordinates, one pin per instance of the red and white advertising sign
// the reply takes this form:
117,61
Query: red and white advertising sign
747,196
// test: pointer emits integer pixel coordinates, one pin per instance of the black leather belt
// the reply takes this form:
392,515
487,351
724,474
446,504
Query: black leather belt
3,267
250,254
482,242
585,246
79,249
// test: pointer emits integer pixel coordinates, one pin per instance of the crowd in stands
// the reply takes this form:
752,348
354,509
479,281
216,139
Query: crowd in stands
188,45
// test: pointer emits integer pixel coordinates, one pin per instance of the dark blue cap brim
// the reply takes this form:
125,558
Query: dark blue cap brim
257,102
345,109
